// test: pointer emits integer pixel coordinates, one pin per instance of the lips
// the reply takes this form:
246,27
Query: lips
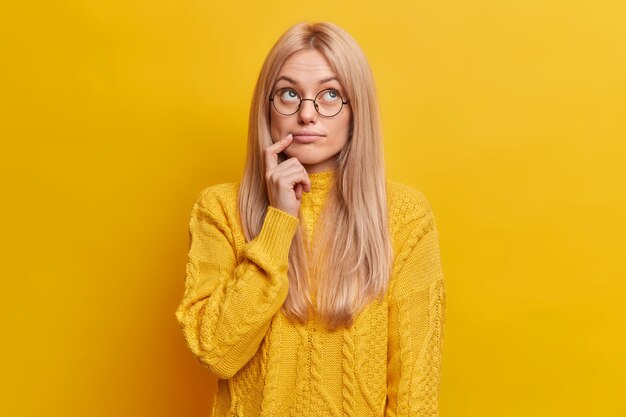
306,137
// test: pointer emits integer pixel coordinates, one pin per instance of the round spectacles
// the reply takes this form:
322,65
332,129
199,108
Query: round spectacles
327,103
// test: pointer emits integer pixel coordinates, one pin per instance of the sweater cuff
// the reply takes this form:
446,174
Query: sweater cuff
276,235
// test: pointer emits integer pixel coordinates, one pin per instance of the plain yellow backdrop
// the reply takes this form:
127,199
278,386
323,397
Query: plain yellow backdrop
509,116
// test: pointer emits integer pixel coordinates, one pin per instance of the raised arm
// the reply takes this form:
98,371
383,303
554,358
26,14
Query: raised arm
416,322
227,305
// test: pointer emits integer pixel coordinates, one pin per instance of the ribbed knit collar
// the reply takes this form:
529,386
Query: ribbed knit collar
321,181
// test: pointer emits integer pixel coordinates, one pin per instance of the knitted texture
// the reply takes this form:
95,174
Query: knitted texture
386,364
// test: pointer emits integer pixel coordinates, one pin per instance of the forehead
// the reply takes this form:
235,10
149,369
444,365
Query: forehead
307,66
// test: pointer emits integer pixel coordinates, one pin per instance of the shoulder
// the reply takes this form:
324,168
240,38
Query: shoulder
218,199
406,204
218,193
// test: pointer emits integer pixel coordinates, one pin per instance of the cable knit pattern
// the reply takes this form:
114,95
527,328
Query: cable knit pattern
302,384
313,202
272,374
347,368
424,396
387,364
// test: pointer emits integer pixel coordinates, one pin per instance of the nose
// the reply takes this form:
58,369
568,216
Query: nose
307,112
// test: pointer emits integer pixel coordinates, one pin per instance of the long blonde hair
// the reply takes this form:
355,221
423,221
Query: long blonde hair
354,267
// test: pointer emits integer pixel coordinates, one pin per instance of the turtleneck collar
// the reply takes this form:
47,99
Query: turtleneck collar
321,181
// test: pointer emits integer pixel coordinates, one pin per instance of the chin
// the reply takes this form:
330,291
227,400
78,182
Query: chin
305,156
308,159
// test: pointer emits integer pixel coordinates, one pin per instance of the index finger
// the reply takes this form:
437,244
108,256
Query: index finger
272,151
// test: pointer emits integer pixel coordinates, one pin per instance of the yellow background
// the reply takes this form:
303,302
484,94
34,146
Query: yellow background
509,116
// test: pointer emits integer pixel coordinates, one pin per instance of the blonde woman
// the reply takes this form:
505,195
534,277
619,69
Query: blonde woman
314,286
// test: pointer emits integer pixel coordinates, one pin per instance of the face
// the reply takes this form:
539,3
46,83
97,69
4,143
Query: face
317,140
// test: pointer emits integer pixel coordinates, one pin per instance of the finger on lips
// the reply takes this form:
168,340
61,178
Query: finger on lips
272,151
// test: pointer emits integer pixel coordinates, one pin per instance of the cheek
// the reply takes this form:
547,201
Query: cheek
340,137
278,128
343,126
273,126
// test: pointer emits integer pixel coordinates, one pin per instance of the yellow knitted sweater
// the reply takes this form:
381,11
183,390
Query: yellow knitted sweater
386,364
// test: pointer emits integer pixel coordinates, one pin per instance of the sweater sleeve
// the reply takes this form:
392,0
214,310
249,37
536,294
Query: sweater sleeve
228,305
416,323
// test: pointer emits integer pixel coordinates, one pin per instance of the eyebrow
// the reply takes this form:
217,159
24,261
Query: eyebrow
291,80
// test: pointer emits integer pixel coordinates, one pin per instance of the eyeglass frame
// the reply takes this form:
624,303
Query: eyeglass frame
314,100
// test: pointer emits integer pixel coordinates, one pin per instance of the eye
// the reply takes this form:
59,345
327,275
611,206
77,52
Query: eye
330,96
288,95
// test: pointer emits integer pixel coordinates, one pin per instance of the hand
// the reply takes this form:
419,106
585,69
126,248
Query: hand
285,181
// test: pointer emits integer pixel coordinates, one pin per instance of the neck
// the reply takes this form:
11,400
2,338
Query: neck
328,165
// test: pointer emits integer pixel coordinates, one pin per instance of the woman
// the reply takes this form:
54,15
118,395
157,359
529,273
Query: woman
314,287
